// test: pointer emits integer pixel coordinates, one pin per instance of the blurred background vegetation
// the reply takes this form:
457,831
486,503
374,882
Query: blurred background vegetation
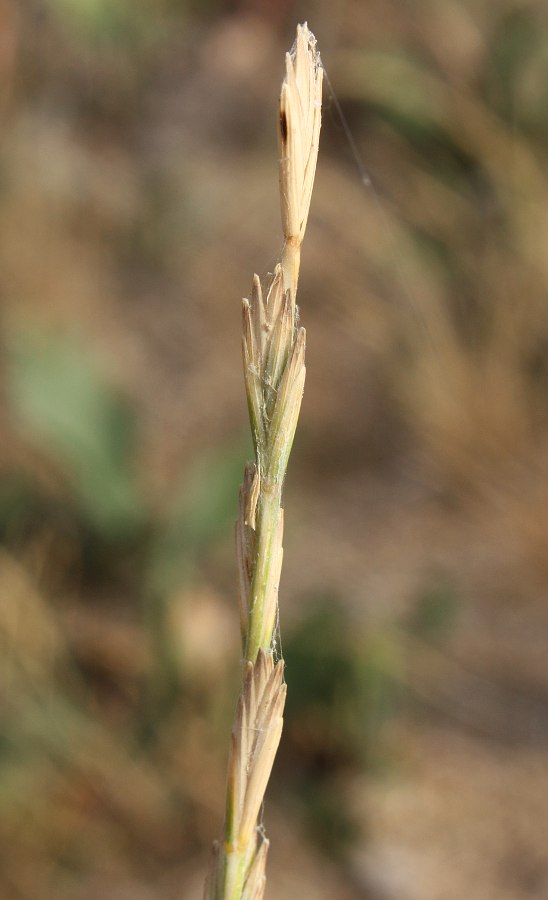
138,193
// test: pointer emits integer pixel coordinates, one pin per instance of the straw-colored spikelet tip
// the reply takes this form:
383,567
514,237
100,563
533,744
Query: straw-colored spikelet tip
299,132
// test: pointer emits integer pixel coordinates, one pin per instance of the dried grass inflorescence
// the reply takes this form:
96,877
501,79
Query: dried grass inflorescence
274,371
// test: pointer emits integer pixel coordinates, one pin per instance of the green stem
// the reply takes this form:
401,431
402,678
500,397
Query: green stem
234,874
268,516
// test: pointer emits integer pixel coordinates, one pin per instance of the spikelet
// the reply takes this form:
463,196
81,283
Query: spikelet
298,137
255,738
299,132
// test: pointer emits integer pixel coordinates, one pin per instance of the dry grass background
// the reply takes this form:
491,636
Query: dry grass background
136,195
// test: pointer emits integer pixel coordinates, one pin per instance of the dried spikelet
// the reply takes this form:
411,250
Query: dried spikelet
254,741
264,699
299,131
